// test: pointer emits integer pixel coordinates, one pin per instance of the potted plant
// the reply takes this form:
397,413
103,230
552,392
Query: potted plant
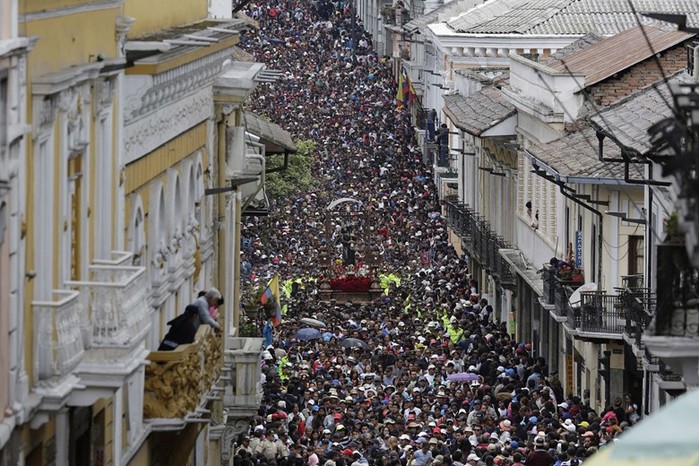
673,234
249,328
251,302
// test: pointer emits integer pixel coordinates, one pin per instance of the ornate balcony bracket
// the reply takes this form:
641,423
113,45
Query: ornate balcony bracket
178,382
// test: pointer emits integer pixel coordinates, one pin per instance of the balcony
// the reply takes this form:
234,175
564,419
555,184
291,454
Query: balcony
600,316
180,383
115,305
415,71
58,347
673,334
561,300
481,242
640,304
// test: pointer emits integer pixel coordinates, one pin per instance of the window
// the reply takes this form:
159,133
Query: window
75,186
3,116
636,255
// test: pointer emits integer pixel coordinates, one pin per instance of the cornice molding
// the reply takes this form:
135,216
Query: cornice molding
148,133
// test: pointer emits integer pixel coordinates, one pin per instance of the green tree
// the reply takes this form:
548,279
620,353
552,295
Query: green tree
297,178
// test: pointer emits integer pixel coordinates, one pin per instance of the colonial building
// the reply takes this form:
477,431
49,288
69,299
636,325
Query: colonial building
524,139
577,204
14,388
113,130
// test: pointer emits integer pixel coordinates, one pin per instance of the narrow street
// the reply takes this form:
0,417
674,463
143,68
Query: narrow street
420,372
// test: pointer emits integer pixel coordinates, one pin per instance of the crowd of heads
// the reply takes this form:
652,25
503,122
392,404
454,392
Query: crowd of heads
433,375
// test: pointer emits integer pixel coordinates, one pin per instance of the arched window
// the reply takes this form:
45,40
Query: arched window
137,233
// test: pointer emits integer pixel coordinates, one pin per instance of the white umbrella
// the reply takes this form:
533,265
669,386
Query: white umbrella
575,298
312,322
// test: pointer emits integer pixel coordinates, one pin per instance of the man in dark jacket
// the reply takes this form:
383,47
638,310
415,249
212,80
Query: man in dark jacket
182,329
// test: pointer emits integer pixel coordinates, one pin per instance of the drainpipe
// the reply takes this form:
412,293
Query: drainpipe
626,162
565,192
599,233
650,182
283,167
262,160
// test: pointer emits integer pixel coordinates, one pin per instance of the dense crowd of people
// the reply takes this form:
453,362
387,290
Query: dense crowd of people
425,374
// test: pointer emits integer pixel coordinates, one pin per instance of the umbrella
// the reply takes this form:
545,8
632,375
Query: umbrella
307,334
353,343
327,336
666,438
280,353
462,377
312,322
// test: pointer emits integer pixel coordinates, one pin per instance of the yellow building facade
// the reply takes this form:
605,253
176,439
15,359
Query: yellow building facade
116,121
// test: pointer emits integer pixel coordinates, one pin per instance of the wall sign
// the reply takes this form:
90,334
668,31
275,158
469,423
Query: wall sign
578,249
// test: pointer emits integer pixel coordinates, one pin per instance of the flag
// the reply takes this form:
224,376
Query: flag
270,294
412,95
406,90
400,96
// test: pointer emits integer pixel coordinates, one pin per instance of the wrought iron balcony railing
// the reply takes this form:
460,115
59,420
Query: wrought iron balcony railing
640,304
561,299
600,313
481,242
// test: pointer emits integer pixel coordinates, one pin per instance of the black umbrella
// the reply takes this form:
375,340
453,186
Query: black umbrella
354,343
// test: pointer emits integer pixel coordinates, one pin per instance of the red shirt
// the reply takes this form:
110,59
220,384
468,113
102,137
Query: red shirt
539,458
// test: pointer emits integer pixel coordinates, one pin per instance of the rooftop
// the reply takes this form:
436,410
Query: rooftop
272,135
448,9
562,17
177,41
574,158
627,121
620,52
479,112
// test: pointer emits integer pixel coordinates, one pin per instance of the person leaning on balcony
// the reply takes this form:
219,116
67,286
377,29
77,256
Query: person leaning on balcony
182,329
204,303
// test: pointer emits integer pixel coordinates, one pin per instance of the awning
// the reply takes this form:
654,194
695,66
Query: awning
524,269
275,139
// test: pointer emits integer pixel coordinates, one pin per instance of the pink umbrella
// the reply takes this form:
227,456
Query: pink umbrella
462,377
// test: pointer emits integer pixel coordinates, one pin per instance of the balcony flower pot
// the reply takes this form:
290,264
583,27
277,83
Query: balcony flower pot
251,311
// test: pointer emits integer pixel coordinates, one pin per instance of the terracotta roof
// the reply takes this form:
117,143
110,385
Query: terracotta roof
605,58
478,112
574,47
627,121
574,156
561,17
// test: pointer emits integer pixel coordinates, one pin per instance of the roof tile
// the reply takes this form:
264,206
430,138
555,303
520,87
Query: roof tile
575,155
478,112
606,17
627,121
